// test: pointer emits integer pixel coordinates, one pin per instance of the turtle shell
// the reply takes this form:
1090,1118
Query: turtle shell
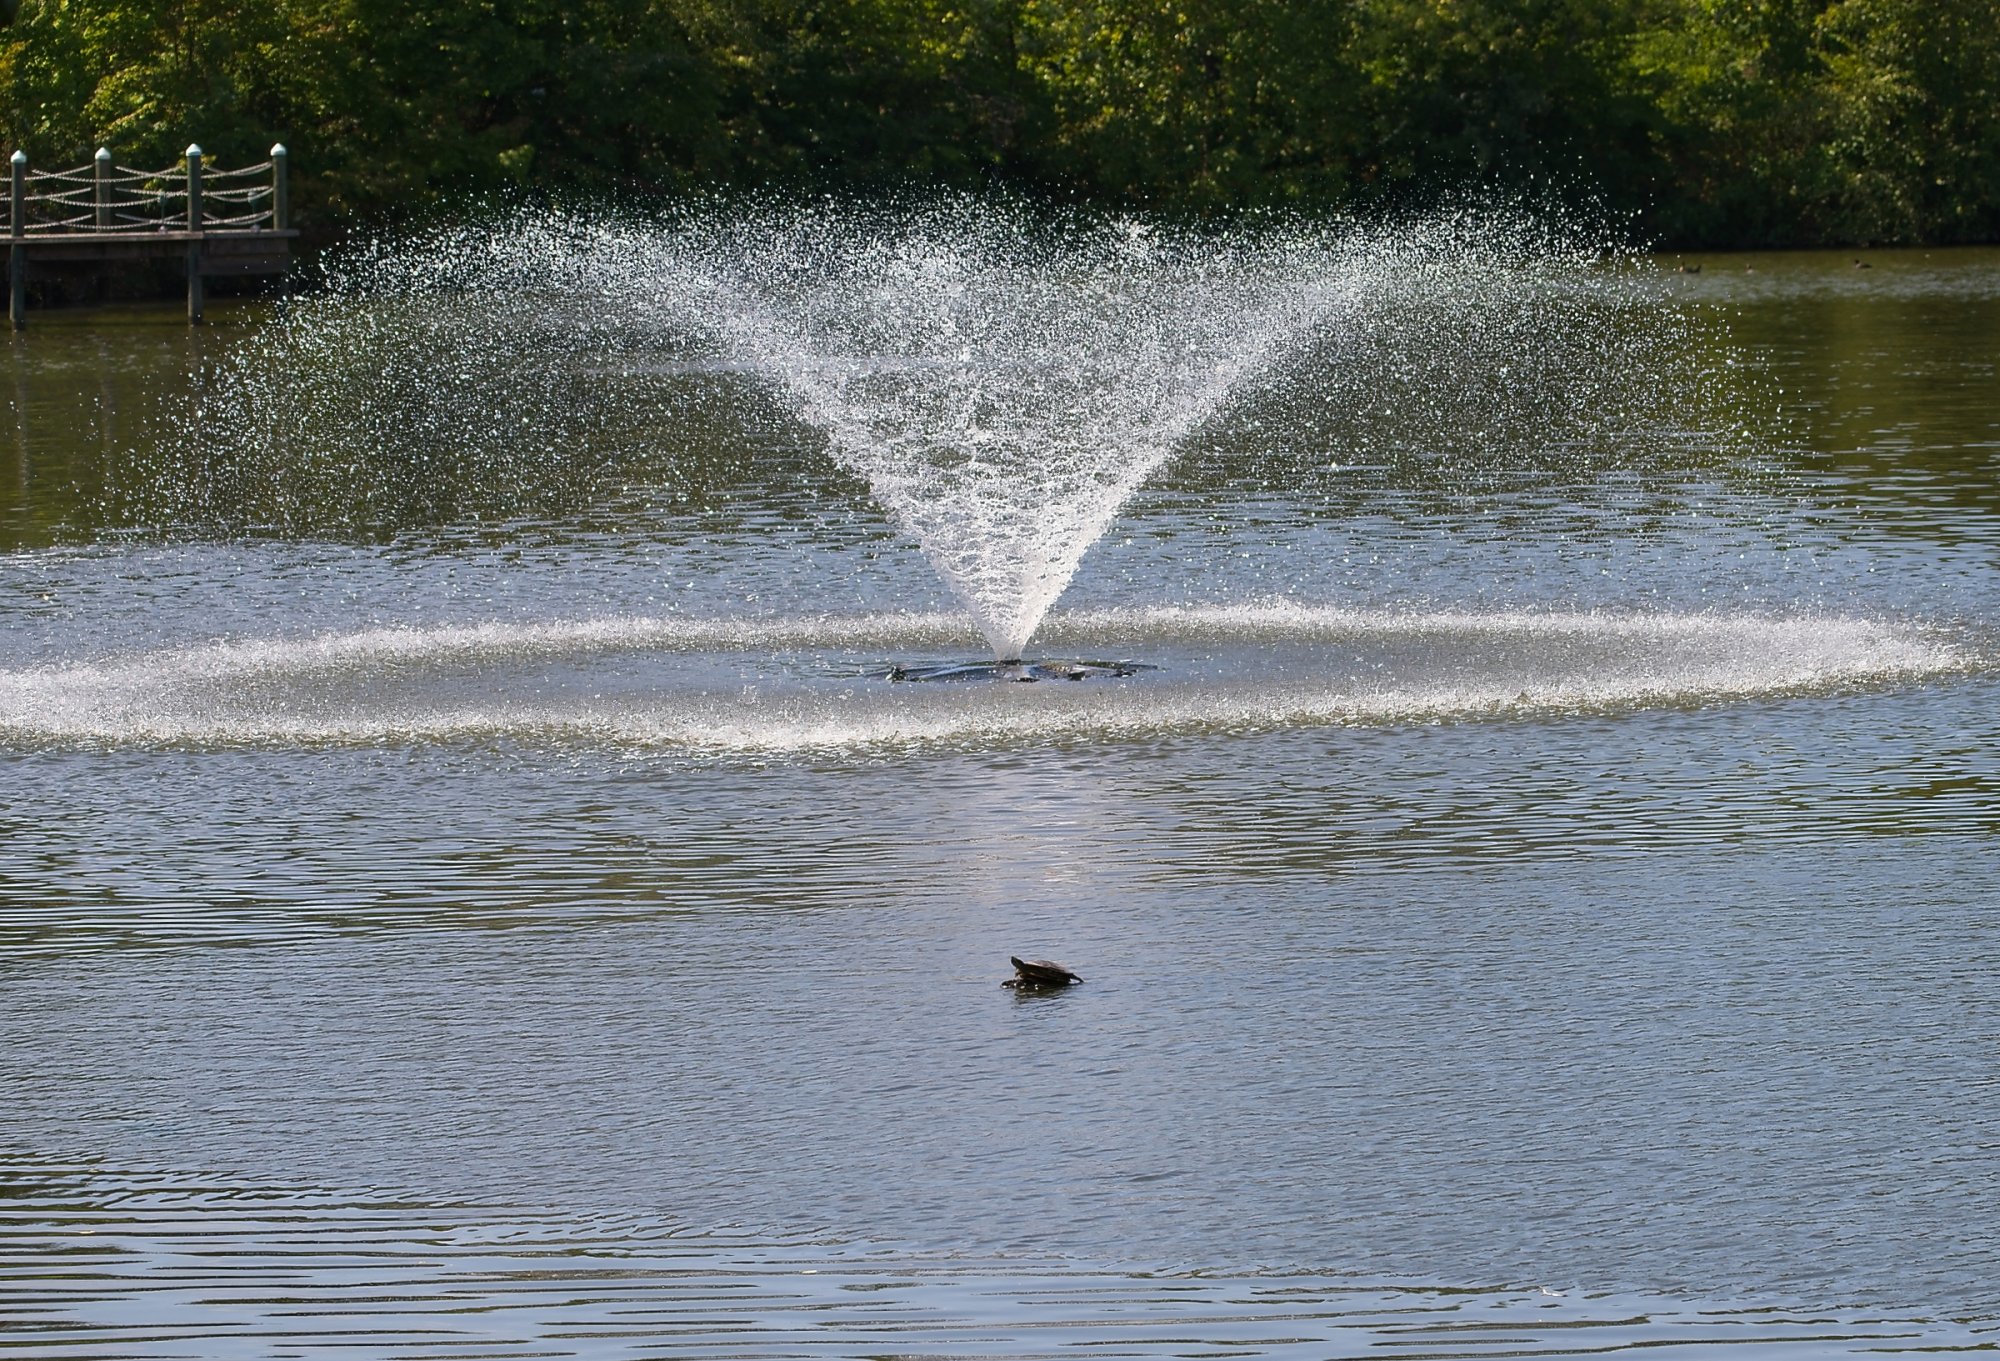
1043,972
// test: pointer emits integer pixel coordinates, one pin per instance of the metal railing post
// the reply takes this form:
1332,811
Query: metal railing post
103,188
194,187
194,221
281,188
17,254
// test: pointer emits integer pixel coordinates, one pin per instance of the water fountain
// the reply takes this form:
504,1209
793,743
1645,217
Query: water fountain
1003,385
1004,381
997,382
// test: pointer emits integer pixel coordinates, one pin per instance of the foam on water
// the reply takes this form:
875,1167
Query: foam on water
798,684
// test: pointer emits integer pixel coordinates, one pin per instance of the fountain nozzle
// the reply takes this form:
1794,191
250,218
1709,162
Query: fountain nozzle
1017,670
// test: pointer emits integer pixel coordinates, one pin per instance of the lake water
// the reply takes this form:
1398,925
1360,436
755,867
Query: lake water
1546,900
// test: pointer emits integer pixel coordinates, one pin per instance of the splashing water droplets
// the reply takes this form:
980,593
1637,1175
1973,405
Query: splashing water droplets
1003,386
1002,379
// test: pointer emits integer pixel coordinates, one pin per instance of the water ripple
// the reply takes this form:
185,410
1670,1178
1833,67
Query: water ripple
140,1265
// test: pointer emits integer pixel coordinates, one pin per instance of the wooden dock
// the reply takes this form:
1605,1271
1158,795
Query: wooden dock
220,222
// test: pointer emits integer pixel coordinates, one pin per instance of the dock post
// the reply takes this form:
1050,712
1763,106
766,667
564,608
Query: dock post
194,229
281,207
103,188
17,254
281,188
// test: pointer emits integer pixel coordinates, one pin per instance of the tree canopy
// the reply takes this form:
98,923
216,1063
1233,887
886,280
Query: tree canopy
1704,122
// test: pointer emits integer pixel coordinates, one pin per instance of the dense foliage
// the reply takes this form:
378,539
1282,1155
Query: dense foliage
1722,122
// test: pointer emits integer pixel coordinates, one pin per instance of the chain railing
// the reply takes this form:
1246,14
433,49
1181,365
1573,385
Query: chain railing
228,221
105,198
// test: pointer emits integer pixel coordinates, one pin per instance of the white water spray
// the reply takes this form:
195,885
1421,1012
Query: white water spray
1004,390
1003,380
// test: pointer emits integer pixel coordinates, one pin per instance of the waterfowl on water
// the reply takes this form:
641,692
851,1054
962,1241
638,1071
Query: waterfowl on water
1039,973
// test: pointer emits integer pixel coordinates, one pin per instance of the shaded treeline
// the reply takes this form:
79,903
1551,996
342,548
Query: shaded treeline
1708,122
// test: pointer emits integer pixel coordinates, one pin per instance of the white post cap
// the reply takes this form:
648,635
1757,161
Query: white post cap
20,158
194,148
278,149
104,153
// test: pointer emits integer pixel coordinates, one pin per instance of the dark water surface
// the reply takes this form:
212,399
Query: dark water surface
1546,901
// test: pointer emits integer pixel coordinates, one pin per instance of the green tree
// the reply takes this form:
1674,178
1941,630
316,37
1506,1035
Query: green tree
1711,121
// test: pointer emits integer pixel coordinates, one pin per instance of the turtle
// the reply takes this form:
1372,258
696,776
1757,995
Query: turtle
1039,973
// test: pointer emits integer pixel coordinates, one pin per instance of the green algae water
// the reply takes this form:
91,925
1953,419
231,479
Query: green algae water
468,889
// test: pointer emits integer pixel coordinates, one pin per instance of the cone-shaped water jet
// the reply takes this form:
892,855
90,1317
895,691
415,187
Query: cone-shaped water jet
1002,379
1004,382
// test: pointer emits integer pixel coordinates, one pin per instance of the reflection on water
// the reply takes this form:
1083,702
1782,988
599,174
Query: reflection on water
1890,374
1563,867
1747,1066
